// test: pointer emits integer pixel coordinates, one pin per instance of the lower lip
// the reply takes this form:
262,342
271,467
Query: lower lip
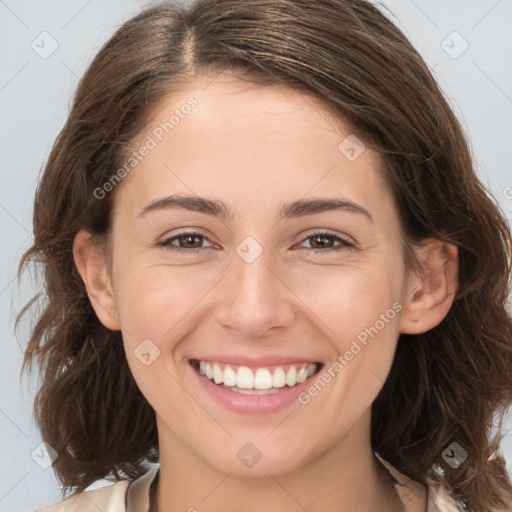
252,404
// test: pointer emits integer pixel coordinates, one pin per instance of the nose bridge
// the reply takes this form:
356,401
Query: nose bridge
255,280
256,300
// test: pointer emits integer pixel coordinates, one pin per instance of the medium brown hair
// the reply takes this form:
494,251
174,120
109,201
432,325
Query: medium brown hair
448,384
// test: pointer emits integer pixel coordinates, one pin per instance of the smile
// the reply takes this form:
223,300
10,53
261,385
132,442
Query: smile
255,381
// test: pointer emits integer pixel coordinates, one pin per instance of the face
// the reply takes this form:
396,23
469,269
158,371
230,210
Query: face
245,282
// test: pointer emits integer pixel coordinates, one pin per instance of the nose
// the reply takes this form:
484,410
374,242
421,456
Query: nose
256,301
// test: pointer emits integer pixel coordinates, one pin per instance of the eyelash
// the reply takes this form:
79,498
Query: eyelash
345,244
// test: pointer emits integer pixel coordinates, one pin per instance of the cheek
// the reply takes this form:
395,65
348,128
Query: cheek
358,311
363,328
156,305
351,302
153,300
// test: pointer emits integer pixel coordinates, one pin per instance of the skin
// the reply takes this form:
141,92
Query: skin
255,148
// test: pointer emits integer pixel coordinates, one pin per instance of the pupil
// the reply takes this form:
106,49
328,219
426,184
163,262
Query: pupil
322,239
189,239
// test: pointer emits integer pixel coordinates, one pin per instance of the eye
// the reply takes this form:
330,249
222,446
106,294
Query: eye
186,241
192,241
321,241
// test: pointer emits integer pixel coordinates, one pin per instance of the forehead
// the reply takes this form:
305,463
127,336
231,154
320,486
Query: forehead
241,141
249,115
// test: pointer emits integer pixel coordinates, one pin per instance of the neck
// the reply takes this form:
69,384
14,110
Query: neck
347,477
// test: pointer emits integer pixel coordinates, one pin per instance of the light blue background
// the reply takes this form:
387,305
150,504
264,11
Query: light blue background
35,95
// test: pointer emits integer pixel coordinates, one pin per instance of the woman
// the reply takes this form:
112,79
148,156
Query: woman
271,268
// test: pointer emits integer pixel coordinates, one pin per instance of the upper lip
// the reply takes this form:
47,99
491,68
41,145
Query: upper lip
255,362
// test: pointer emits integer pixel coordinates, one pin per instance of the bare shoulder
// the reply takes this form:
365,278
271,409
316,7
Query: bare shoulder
110,498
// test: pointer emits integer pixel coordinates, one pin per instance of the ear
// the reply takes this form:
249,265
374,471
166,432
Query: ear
92,266
430,295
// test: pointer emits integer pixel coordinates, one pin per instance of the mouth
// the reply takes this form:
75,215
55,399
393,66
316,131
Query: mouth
264,380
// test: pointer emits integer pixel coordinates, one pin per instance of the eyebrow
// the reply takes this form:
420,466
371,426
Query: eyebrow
217,208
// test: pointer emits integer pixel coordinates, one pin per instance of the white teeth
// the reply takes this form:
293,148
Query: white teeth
301,376
261,381
279,378
244,378
254,391
291,376
229,376
217,374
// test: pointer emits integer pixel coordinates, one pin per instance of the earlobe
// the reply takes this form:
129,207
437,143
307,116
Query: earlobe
92,267
430,295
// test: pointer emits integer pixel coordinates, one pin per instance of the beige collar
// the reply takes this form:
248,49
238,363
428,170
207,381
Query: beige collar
137,494
414,495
